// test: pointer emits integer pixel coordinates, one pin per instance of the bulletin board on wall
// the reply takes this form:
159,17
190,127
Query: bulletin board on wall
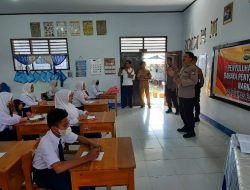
231,74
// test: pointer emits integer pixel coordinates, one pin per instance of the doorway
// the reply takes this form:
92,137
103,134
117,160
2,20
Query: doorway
152,50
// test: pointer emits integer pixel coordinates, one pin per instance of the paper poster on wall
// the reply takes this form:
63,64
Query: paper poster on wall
101,27
81,68
109,66
61,28
35,29
74,28
48,28
96,66
88,28
231,71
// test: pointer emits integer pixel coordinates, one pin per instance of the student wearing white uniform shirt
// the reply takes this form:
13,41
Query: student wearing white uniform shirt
128,75
29,98
50,169
52,89
7,117
80,96
95,89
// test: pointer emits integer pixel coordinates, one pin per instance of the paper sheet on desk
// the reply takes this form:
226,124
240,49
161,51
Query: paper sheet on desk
99,158
91,117
244,141
2,154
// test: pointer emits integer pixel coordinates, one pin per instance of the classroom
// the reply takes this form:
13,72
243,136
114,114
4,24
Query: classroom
124,95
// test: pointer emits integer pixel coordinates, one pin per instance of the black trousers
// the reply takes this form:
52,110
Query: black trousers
186,110
49,179
76,130
197,100
126,96
8,135
172,97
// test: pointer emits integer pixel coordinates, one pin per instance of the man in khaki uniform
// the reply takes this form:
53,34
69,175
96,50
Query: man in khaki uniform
186,81
144,76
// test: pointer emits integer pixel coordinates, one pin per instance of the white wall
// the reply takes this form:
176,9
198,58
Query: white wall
89,47
197,17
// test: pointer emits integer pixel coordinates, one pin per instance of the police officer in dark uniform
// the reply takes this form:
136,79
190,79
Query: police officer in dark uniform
186,81
198,87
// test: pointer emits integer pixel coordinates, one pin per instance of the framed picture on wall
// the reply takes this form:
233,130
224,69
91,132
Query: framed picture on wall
228,13
35,29
230,71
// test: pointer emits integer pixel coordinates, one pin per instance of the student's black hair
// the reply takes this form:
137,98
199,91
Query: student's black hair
55,116
143,62
190,54
195,58
128,61
170,58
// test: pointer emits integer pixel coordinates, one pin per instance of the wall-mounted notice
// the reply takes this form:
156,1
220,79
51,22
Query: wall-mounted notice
81,68
96,66
109,66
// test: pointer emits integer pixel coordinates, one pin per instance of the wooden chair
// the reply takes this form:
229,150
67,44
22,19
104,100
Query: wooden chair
27,171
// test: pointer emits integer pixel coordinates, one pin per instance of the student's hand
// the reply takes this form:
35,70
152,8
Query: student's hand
93,146
85,113
93,154
82,117
23,119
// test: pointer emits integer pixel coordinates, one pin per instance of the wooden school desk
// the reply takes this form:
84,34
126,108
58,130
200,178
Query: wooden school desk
115,169
100,105
110,97
104,122
38,109
11,174
31,128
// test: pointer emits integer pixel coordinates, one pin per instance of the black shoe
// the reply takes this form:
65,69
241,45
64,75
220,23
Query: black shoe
196,119
131,106
123,107
177,113
182,130
189,135
149,106
168,111
142,106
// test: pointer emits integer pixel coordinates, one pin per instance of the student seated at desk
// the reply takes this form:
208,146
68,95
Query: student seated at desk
95,89
52,90
80,96
19,107
63,100
50,170
29,98
8,118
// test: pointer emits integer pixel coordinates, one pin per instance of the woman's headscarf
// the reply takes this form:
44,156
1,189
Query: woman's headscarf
62,102
27,88
79,86
53,85
5,97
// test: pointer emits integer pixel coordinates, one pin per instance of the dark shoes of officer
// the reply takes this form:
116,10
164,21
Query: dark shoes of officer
196,119
182,130
189,135
168,111
177,112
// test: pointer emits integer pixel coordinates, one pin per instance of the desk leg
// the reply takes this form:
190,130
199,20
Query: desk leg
19,135
131,180
113,133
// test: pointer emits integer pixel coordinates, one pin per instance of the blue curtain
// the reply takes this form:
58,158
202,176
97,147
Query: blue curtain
23,59
58,59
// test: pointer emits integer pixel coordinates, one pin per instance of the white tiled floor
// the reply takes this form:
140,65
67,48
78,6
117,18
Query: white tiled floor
166,161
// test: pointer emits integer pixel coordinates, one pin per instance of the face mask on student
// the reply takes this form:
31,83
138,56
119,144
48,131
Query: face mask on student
65,132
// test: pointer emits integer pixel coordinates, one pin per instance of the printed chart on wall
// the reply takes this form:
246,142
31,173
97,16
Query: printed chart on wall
96,66
81,68
231,73
109,66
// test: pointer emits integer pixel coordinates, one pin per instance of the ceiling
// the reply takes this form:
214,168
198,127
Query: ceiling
90,6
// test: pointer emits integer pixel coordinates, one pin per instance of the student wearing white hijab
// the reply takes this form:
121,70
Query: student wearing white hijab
52,89
80,96
63,99
95,89
7,117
